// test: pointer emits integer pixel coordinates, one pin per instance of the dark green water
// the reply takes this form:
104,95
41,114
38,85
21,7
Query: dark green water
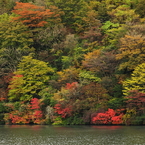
72,135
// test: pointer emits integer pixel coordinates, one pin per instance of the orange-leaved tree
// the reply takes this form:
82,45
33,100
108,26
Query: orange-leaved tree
31,15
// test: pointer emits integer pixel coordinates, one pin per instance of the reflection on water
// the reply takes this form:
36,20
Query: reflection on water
71,135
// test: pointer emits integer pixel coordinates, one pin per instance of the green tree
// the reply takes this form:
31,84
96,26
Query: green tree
112,33
15,41
50,44
140,8
102,11
72,54
6,6
30,79
14,34
73,12
123,14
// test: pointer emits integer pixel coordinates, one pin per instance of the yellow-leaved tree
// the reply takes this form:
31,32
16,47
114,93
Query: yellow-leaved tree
132,48
30,79
136,82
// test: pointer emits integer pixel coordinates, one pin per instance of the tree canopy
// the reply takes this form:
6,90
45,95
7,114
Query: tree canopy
72,62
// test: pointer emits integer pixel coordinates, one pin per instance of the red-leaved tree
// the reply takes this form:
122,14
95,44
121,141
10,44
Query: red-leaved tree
108,117
26,114
63,111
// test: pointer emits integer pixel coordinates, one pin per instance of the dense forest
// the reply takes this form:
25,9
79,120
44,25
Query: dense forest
71,62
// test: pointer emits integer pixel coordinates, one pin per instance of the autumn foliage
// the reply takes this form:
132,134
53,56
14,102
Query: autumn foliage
4,81
63,111
32,15
72,62
109,117
72,85
32,113
136,100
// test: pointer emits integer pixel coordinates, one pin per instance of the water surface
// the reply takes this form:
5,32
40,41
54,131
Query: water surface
71,135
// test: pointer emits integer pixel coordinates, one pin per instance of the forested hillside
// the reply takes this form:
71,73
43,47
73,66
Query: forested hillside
65,62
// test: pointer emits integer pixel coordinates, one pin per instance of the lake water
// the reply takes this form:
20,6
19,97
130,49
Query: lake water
71,135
